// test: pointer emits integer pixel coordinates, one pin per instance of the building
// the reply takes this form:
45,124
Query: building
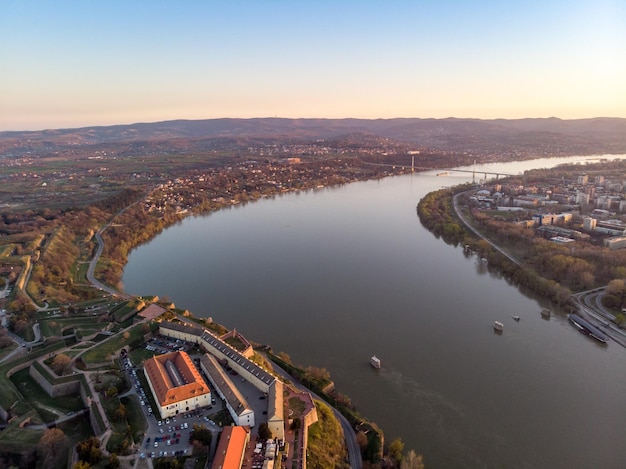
582,198
246,368
617,242
176,384
236,404
275,411
221,355
231,448
589,224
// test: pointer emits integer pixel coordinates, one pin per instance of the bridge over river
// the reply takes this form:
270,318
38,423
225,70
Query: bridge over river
481,169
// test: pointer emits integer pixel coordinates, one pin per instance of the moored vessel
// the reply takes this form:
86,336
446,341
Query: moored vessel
587,328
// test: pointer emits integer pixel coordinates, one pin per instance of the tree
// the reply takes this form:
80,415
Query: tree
284,357
395,449
89,450
81,465
318,374
615,294
53,447
61,364
120,413
296,424
264,431
114,462
166,463
412,461
201,434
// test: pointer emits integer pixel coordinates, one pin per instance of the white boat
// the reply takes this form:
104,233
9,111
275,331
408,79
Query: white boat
375,362
498,326
516,318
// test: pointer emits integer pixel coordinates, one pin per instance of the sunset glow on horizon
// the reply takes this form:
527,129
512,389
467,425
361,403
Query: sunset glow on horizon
75,64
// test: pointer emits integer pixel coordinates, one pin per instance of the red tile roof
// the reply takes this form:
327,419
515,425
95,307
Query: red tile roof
230,448
168,390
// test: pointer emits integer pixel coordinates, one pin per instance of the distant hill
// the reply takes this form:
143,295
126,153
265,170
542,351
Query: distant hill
540,136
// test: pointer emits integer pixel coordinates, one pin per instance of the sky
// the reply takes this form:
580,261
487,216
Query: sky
79,63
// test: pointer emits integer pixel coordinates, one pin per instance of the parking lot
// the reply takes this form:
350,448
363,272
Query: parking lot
171,436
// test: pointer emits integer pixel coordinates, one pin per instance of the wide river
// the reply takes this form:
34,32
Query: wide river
333,276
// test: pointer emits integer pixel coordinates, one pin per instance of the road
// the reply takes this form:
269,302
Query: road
354,451
468,225
590,305
588,302
92,264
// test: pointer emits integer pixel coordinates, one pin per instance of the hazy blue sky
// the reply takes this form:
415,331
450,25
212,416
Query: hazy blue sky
83,62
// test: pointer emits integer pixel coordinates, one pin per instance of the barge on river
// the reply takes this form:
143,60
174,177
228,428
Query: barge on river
587,328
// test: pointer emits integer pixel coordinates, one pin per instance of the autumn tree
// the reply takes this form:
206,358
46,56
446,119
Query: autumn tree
615,294
395,450
113,462
89,450
61,364
120,413
52,447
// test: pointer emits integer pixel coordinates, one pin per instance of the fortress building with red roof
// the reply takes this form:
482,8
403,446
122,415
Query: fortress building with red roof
176,384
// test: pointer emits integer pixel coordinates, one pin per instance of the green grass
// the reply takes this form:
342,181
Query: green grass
296,406
79,272
103,352
8,392
7,350
15,439
135,417
140,355
326,447
51,327
236,343
39,399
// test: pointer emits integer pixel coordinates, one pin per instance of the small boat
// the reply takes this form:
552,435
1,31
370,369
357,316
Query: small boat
375,362
545,313
498,326
516,318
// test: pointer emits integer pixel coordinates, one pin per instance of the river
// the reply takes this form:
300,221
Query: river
336,275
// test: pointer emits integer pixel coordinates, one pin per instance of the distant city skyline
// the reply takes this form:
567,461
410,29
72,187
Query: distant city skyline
76,64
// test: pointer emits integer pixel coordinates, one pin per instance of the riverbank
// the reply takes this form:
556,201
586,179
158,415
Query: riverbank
438,212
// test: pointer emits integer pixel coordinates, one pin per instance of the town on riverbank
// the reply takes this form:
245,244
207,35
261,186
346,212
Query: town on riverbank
560,233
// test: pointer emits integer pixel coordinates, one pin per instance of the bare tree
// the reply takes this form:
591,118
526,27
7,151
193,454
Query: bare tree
412,461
